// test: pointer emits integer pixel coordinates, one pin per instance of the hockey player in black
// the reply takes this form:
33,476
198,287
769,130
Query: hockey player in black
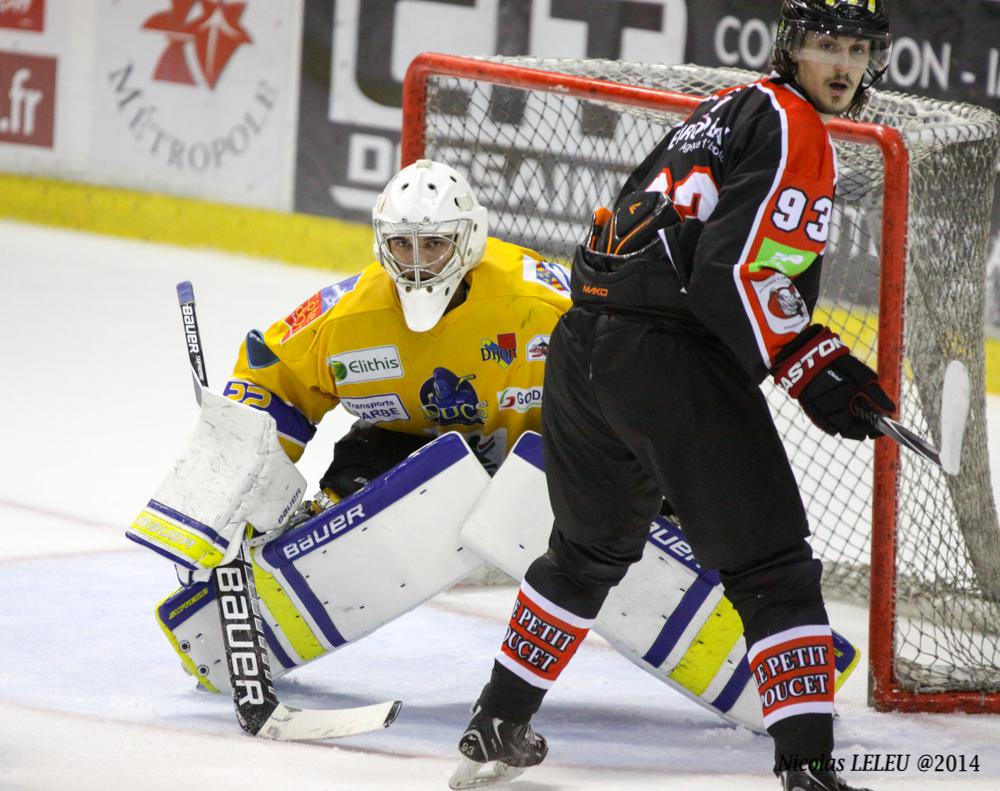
699,284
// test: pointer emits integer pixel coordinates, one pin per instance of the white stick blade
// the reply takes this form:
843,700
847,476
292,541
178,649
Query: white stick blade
288,724
955,398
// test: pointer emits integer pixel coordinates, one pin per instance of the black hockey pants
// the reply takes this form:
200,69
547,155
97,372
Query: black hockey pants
634,411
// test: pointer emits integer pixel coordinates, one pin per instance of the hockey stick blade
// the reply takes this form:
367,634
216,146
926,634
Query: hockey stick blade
297,725
258,709
956,396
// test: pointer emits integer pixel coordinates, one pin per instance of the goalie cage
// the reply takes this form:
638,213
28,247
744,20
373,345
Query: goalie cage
545,141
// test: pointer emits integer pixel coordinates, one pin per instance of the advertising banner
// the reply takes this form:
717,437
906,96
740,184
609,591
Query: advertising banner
24,15
197,97
355,54
27,99
31,80
948,50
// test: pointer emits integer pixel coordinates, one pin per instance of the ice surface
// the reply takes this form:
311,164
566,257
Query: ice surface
96,402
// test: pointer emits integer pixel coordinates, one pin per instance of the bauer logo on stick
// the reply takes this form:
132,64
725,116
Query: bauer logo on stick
240,635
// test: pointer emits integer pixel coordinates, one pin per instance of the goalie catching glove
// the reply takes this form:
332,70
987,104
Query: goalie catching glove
834,387
232,473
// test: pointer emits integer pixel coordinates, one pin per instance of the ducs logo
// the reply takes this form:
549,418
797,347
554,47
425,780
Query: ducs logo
27,99
23,15
210,31
447,398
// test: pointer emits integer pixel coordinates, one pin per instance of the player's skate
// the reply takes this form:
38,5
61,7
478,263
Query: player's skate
494,751
814,780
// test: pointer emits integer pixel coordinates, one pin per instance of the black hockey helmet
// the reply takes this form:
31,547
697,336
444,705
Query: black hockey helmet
867,19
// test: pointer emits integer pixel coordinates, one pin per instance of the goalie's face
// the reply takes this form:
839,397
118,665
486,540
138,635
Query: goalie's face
426,263
421,257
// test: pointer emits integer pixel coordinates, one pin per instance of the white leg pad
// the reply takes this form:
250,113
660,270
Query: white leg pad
668,615
371,558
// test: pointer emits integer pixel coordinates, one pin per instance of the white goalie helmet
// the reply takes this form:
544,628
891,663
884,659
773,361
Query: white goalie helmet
429,232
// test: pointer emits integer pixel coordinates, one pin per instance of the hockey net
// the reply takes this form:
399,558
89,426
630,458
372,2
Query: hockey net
546,141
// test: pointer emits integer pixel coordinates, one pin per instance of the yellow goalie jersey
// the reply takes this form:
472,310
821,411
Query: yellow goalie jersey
478,371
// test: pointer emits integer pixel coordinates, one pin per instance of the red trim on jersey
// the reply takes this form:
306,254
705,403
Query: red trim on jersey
796,212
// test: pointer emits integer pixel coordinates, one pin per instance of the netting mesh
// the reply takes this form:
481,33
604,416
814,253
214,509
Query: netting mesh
542,161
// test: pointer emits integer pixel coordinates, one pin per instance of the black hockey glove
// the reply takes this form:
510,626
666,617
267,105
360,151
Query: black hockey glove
833,386
635,223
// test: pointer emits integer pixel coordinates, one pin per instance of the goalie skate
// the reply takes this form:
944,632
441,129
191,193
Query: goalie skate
494,751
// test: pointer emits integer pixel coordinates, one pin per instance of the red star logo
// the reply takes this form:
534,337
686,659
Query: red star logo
214,30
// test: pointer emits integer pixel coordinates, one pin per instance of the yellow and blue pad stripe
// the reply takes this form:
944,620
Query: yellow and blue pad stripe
176,536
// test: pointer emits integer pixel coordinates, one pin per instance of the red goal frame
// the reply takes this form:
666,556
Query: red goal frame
885,693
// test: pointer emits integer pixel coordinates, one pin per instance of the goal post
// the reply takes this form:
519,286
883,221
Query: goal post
545,141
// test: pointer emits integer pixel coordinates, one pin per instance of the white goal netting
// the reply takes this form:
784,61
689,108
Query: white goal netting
543,160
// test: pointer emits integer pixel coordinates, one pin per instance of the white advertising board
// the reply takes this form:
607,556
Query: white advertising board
197,98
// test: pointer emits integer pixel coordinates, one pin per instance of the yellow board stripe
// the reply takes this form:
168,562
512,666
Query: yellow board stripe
289,621
296,238
860,333
709,649
302,239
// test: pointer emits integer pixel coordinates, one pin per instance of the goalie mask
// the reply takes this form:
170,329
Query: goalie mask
817,30
429,232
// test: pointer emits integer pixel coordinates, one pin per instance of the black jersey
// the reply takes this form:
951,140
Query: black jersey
756,166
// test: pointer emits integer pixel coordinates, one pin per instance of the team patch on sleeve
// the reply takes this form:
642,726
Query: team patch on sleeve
794,671
550,275
314,307
259,355
783,258
774,306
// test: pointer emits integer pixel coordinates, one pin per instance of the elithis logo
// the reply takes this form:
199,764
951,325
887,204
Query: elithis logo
366,365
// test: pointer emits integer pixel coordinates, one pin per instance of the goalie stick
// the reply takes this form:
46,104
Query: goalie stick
955,395
258,709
